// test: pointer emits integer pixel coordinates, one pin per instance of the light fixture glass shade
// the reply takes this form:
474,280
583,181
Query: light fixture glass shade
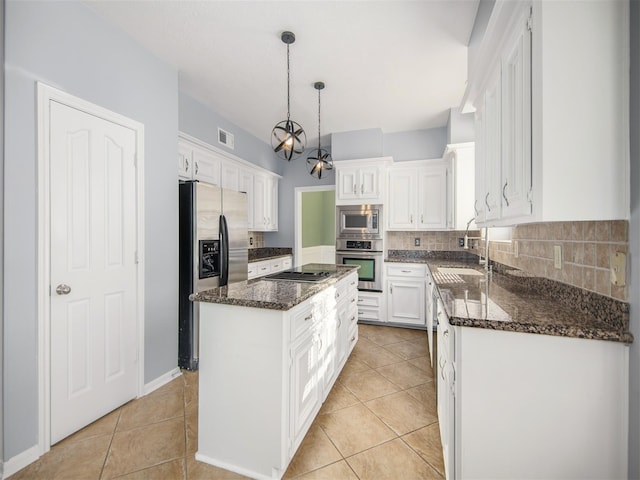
319,161
288,139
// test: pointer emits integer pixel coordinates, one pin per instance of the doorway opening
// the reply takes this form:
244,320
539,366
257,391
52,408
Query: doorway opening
315,225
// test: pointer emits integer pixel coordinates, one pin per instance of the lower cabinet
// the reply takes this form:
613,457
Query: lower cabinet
371,307
405,287
264,375
265,267
520,405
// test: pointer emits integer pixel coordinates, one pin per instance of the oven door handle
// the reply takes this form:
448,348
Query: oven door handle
371,253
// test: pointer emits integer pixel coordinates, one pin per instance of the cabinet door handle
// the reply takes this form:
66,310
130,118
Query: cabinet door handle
308,317
362,188
337,295
391,289
421,218
406,271
411,218
353,318
196,168
486,197
353,300
339,323
353,283
186,162
504,194
354,188
353,339
475,207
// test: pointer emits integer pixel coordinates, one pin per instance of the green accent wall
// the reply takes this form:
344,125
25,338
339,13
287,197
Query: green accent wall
318,218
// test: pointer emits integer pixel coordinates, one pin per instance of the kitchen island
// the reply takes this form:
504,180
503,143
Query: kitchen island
270,351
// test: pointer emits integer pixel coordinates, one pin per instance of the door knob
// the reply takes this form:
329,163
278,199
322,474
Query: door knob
63,289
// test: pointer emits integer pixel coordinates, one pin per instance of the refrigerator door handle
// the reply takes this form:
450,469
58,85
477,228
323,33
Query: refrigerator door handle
224,251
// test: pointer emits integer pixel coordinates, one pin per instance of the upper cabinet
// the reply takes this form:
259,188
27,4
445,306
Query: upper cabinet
460,160
360,181
199,161
417,196
550,89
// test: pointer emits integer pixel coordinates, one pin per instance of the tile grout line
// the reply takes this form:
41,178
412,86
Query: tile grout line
113,434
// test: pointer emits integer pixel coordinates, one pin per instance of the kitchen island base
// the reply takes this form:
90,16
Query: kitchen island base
264,375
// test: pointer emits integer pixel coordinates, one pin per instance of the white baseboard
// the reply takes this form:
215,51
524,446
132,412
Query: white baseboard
161,380
17,463
232,468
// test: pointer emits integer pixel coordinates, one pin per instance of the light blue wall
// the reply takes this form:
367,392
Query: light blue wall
357,144
410,145
201,122
634,247
415,145
67,46
294,175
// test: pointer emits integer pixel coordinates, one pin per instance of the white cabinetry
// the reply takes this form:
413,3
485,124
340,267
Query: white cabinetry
418,196
460,158
266,267
499,398
360,181
406,294
255,411
371,307
199,161
265,203
528,81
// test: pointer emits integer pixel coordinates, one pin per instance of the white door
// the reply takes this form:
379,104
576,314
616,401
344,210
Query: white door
432,198
402,199
93,268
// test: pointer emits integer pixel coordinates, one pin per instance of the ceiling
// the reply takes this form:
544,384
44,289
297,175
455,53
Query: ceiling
394,65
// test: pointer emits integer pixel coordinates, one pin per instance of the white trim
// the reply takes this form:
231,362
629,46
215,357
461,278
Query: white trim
232,468
45,95
17,463
223,153
297,251
161,381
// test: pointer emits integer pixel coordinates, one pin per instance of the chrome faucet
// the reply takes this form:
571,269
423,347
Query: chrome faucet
466,235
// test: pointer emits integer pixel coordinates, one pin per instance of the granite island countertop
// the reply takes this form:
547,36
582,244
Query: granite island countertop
273,294
268,253
513,300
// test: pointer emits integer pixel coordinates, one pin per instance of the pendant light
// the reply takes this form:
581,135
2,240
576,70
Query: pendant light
319,160
287,137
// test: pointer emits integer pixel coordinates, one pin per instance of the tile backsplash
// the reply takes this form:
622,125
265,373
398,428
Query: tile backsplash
258,239
586,249
428,240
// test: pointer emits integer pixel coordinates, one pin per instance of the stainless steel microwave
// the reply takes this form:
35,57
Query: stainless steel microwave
359,221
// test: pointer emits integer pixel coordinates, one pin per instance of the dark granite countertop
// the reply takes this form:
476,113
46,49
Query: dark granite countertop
267,253
512,300
272,294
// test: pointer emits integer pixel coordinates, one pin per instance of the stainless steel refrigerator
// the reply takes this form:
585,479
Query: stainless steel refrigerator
212,253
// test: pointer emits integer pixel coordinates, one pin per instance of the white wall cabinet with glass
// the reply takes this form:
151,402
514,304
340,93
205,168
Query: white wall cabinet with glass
361,181
527,82
405,289
417,195
200,161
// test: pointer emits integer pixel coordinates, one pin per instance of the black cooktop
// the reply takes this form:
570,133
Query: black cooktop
305,273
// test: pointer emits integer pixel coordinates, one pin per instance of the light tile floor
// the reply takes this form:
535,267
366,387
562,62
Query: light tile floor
378,422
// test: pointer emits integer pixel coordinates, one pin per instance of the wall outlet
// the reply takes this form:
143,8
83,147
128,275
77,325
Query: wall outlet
461,241
557,257
416,242
250,240
619,269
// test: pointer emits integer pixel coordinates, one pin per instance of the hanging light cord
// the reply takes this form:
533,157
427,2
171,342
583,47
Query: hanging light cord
288,80
319,119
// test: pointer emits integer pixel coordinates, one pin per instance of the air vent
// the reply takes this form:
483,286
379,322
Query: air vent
225,138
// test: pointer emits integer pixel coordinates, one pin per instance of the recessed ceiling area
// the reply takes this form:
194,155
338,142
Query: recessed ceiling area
394,65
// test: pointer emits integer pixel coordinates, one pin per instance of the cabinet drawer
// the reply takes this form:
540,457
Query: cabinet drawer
372,314
286,263
367,300
277,265
302,320
352,338
252,271
404,270
263,268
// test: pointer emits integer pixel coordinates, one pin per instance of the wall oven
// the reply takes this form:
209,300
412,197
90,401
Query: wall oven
368,255
359,221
